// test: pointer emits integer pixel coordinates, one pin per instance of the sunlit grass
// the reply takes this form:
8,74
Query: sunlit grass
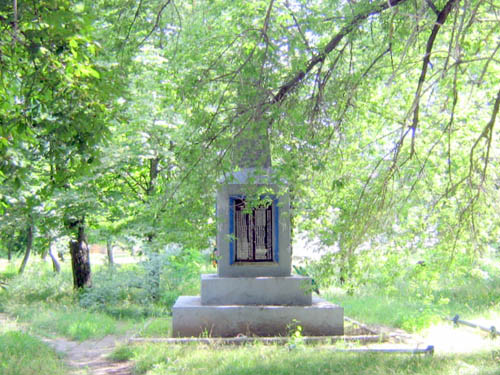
157,327
471,298
21,354
77,325
156,359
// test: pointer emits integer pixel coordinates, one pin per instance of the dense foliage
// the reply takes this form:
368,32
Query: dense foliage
380,116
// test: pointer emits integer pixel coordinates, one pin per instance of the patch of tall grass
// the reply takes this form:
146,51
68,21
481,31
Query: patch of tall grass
415,295
74,324
21,354
255,359
470,297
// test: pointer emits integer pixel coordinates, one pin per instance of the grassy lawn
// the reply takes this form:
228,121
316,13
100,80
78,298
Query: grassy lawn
471,298
47,305
156,359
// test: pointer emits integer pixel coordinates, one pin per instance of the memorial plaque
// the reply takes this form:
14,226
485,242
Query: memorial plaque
253,233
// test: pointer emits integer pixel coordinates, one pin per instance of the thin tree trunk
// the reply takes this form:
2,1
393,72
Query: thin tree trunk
29,242
109,249
55,264
45,251
80,258
9,254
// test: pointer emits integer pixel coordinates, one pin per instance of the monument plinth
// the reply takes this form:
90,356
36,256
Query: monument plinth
253,292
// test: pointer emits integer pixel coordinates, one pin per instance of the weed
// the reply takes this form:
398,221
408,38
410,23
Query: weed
295,333
122,353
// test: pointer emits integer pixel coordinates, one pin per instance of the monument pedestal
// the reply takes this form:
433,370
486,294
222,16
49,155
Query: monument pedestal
254,292
191,318
260,306
265,290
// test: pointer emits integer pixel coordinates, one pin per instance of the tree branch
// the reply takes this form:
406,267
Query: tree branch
432,6
137,11
441,18
287,87
488,133
157,21
297,25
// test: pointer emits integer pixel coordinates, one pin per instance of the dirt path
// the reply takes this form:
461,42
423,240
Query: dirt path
90,357
83,358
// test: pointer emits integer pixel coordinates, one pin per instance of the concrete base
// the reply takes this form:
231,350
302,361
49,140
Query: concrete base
292,290
191,318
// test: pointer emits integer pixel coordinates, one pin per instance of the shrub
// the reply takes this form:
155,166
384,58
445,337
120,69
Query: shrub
161,278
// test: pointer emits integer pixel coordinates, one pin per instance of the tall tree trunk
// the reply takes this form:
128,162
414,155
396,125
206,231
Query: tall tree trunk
80,258
154,271
153,175
154,274
9,253
109,250
55,263
29,242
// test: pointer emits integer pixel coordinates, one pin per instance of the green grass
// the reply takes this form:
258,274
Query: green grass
77,325
156,359
392,311
470,298
21,354
122,353
48,304
71,322
158,327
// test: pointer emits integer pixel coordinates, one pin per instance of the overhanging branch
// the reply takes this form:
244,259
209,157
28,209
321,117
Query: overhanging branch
288,87
441,18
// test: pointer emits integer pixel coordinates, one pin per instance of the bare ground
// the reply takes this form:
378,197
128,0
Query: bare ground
90,357
83,358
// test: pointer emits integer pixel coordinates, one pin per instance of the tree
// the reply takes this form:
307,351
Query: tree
380,114
54,115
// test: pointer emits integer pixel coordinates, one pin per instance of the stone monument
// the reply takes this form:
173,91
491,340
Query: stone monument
253,292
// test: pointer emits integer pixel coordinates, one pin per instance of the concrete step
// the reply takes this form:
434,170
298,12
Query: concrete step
265,290
191,318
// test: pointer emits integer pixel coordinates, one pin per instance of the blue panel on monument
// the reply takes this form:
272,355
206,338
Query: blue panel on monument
254,235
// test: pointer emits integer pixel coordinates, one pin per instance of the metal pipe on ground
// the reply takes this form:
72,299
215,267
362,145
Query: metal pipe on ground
429,350
285,340
492,330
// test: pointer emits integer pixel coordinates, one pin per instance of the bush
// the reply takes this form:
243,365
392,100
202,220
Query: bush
161,278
